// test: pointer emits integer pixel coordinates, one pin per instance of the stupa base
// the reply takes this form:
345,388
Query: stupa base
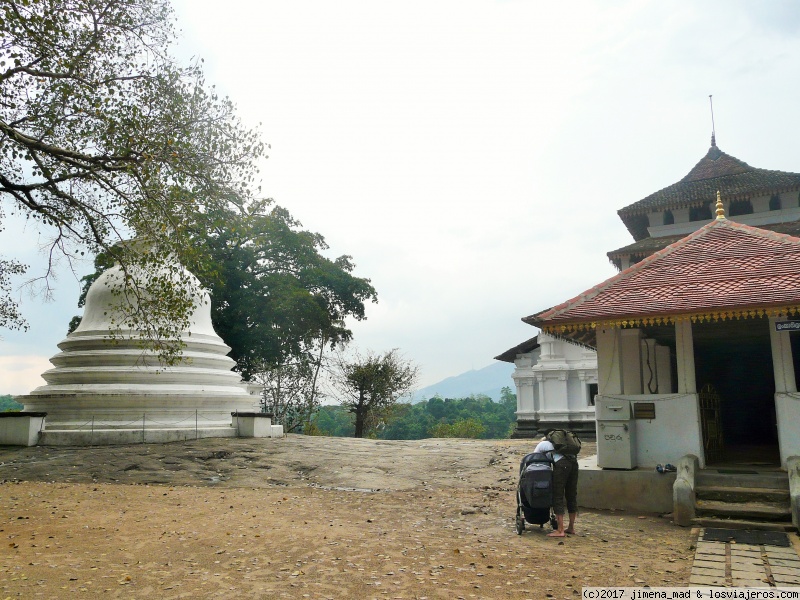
112,437
31,429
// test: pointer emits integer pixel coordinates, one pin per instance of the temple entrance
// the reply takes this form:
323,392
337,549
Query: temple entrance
734,358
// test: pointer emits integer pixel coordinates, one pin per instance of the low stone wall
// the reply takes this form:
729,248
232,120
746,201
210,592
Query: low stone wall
636,490
21,428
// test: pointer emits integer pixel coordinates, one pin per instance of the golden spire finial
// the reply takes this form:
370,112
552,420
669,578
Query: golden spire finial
720,208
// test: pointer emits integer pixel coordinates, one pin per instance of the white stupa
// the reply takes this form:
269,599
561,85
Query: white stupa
104,391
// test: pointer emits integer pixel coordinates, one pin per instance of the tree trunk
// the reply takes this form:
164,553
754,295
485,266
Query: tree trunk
359,423
317,368
361,414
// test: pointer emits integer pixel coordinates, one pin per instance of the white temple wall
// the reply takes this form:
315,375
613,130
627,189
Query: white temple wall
680,215
636,369
760,204
526,385
554,393
675,432
526,393
787,411
576,394
552,382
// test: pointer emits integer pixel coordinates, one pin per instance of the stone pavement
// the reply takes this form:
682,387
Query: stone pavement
744,565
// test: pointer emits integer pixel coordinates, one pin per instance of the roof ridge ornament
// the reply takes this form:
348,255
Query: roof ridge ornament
713,129
720,207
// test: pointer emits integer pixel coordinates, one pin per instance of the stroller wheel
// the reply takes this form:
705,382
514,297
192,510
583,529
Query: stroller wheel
520,524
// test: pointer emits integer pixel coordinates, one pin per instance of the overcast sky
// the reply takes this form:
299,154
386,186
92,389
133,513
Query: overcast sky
471,155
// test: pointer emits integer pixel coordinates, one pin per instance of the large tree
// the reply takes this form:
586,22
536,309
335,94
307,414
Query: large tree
104,137
275,295
370,386
276,299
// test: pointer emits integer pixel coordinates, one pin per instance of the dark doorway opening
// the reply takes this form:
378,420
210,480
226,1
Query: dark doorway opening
735,357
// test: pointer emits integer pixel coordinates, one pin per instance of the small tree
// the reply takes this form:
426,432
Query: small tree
371,385
291,388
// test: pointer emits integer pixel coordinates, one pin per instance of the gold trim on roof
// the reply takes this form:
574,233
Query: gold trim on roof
709,316
720,208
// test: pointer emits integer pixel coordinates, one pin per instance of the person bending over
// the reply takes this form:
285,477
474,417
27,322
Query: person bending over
565,485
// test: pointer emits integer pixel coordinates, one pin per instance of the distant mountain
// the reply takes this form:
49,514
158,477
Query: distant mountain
488,380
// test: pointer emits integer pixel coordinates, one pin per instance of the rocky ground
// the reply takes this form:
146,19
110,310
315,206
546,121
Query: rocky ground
306,517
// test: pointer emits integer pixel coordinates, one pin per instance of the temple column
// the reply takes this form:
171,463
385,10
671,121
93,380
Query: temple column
787,401
664,370
609,361
583,377
630,344
684,350
782,363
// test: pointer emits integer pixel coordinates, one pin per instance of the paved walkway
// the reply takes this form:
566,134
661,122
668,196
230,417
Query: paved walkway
744,565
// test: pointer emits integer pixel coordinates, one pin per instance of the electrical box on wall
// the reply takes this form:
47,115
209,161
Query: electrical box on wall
616,441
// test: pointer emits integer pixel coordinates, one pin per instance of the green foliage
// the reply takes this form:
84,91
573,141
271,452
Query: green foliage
472,417
412,422
104,136
7,404
333,420
10,316
276,298
370,387
438,417
507,397
463,428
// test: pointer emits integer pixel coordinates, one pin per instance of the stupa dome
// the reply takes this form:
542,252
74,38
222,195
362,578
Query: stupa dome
111,383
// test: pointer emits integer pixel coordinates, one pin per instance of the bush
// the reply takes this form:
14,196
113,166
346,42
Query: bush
463,428
7,404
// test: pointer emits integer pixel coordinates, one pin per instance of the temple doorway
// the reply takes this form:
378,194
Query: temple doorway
733,359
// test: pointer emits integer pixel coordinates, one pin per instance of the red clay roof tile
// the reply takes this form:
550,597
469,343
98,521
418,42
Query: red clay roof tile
721,266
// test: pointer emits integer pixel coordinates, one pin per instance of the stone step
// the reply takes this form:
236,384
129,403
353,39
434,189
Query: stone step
742,524
776,480
741,494
761,511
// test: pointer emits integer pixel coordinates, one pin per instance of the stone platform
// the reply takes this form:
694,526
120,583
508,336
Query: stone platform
725,564
642,489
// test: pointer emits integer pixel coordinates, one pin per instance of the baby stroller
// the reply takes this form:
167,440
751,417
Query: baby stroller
535,492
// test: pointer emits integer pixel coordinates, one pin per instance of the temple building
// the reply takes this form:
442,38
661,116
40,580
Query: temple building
695,339
758,197
556,383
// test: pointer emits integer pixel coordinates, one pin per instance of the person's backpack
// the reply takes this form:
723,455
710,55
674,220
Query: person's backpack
565,442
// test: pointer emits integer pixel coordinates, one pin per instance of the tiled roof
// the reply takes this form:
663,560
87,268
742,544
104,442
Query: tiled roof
511,354
721,266
648,246
735,180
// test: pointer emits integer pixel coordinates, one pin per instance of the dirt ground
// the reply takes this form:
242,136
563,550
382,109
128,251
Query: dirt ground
306,517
